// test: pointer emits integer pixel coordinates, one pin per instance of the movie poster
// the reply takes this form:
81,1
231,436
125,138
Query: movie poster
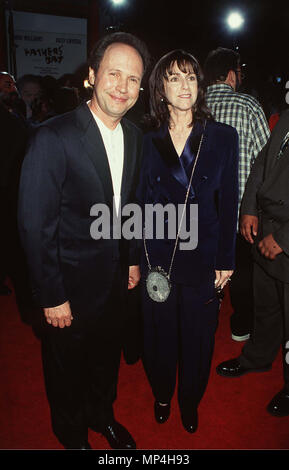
48,44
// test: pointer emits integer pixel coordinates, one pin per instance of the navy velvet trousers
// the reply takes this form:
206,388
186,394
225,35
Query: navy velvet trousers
179,335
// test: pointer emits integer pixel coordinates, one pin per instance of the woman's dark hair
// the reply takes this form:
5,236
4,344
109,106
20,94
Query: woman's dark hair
100,47
186,62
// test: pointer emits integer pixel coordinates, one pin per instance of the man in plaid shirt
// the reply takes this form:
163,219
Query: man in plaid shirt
223,76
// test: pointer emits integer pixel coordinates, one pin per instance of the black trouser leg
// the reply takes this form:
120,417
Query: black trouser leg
261,349
198,322
64,365
161,344
241,289
104,350
81,364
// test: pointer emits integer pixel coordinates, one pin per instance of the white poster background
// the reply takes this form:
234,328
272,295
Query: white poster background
49,45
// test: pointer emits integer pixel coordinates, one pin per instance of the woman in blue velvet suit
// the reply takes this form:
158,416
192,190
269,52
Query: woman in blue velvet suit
179,332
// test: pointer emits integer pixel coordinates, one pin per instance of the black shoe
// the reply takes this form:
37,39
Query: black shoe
84,446
162,412
190,421
118,437
233,368
279,405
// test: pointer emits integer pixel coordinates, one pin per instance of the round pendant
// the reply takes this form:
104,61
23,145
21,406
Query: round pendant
158,284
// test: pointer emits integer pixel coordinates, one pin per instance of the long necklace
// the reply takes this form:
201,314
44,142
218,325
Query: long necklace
158,282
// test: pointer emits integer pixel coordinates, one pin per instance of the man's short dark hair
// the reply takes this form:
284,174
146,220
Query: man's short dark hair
218,64
100,47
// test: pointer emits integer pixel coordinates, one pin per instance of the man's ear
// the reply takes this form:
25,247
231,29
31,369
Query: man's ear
91,76
231,79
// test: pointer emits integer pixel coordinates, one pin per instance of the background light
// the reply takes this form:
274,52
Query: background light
118,2
235,20
86,84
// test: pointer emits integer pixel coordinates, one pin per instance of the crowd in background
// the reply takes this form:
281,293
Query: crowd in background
38,98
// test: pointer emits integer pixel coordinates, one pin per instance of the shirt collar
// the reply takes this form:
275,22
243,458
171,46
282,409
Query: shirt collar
219,87
103,128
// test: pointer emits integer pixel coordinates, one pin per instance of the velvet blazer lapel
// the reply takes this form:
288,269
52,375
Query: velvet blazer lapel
166,149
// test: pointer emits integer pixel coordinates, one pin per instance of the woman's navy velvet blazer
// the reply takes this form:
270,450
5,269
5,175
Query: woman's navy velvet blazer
164,179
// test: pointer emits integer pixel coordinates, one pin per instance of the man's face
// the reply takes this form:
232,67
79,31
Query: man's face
30,92
117,82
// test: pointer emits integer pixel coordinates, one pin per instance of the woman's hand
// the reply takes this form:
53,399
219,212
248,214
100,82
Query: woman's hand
222,277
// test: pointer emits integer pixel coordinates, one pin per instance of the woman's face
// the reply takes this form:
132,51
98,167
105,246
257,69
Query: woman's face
181,88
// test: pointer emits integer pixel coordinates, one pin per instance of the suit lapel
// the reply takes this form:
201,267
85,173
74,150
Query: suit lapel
277,167
277,173
128,162
94,147
166,149
278,135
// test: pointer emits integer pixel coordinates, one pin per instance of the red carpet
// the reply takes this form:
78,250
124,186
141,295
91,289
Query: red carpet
232,414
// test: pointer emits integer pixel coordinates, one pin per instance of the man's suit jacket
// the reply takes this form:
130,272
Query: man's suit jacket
214,190
66,172
267,196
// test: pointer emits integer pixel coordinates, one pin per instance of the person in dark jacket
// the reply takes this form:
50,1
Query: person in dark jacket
265,224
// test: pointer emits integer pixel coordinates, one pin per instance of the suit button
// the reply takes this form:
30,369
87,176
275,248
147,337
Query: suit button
281,202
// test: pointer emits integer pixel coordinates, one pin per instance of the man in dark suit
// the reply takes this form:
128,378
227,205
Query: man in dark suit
88,156
265,224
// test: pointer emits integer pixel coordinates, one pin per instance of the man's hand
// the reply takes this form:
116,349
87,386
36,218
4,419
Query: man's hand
59,316
269,247
222,277
133,276
249,226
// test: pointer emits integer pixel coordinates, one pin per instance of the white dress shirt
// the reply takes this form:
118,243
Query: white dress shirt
113,143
